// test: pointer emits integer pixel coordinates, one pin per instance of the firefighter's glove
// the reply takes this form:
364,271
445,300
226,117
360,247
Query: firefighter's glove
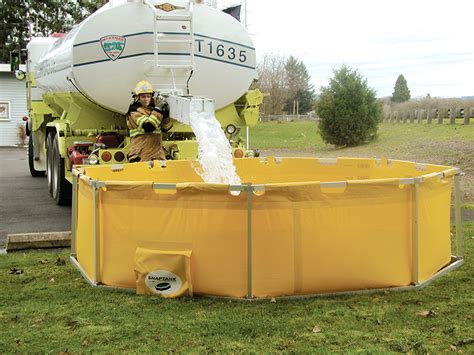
148,127
162,108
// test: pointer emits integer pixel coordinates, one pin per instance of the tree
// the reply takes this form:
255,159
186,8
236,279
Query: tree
300,90
22,19
400,91
348,109
286,85
272,82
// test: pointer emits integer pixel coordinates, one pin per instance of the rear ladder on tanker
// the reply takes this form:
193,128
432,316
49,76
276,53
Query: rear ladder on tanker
173,47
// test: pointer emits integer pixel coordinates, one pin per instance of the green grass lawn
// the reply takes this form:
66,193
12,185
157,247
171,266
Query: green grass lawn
50,308
303,135
436,144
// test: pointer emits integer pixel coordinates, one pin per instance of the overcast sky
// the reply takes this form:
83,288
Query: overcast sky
430,42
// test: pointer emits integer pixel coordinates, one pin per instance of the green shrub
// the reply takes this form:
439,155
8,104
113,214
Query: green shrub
348,109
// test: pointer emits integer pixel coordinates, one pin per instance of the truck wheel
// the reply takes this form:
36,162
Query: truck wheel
49,162
61,188
31,159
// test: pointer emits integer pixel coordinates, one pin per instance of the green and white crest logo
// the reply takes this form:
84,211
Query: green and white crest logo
113,46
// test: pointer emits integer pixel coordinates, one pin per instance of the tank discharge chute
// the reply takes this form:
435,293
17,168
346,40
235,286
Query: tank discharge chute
80,83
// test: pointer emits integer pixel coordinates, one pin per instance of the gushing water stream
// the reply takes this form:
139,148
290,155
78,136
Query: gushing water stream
214,150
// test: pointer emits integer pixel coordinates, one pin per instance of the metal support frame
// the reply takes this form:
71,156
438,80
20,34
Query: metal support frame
94,233
75,180
91,282
78,266
456,261
457,215
416,232
249,190
96,185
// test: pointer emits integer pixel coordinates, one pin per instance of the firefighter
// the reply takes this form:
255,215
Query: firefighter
146,121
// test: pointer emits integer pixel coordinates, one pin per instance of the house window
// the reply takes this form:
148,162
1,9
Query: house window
5,111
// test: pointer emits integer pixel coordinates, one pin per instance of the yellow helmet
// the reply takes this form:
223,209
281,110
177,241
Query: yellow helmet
143,87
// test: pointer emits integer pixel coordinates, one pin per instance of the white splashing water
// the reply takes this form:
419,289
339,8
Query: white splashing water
214,150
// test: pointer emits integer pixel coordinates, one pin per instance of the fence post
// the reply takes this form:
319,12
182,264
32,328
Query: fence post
421,115
428,116
468,114
411,116
452,116
439,116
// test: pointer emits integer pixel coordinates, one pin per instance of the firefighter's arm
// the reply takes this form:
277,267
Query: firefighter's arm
145,121
132,121
163,109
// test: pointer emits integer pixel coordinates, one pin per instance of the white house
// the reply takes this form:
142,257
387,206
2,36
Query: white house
12,105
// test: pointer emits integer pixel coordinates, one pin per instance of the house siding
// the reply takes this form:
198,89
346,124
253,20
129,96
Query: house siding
14,91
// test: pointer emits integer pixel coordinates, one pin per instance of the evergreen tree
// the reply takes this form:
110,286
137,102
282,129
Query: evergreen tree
400,91
300,91
348,109
21,19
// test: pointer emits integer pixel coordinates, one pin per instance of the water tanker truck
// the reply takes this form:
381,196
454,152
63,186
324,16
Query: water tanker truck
79,84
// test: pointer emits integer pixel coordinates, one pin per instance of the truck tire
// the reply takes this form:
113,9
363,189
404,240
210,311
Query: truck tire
49,162
61,188
31,159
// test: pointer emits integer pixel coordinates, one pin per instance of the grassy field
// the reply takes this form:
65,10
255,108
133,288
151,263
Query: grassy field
437,144
48,307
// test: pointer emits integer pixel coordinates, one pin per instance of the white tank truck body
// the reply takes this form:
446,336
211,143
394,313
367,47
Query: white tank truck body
80,85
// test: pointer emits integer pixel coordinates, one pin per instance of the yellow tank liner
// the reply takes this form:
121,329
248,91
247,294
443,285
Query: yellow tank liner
299,227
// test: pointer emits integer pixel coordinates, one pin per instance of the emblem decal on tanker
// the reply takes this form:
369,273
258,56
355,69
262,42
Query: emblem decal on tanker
168,7
113,46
